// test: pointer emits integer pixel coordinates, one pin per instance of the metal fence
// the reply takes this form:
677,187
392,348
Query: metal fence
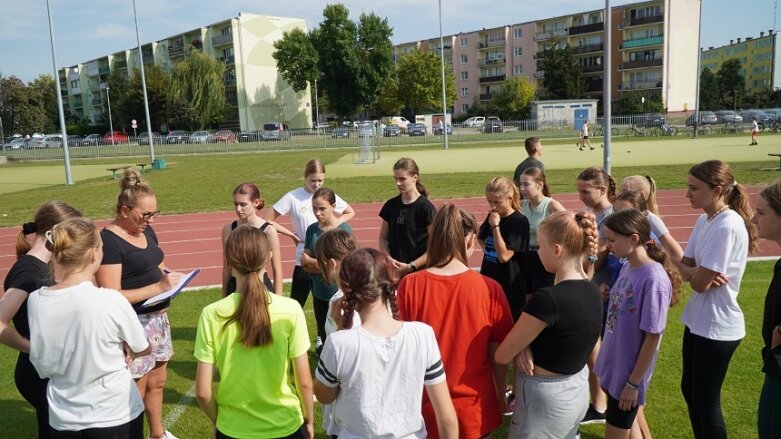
328,138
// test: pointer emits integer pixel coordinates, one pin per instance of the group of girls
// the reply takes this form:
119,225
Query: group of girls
413,312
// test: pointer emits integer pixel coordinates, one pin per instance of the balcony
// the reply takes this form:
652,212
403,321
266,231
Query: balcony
586,28
594,86
75,90
92,71
74,75
63,91
175,51
492,78
639,21
541,36
640,85
591,69
597,47
540,55
227,59
493,43
121,64
539,74
230,80
95,87
148,58
77,105
104,70
219,40
492,61
642,42
233,102
486,96
640,64
96,102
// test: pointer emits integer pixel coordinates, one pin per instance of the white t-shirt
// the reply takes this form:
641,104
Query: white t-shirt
585,129
658,229
381,380
76,336
330,324
298,203
754,126
721,245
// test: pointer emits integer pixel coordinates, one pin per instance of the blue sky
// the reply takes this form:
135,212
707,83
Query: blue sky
86,29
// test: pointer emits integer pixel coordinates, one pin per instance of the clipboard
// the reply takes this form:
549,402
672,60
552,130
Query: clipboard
173,292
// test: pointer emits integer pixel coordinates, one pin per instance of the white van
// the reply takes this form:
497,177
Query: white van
399,121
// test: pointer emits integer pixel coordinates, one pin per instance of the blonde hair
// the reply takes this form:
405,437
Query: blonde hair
71,240
47,216
772,194
644,184
247,251
503,187
575,232
131,188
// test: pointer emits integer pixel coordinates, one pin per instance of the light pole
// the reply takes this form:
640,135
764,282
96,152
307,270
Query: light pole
143,87
2,136
607,95
110,123
442,63
66,155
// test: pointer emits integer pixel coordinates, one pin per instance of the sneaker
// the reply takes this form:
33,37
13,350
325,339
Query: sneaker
167,435
591,148
593,416
580,149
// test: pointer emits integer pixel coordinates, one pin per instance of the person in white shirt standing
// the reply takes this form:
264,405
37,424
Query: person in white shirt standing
81,337
584,137
713,264
754,131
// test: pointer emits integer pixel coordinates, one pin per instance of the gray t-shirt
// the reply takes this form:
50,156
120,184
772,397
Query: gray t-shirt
530,162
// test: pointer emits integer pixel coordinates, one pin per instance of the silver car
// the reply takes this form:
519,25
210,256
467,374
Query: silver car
202,137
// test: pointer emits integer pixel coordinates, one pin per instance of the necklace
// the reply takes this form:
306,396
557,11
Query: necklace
122,229
715,214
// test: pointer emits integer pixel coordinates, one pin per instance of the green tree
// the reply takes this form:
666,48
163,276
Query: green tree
296,59
709,90
196,95
420,80
354,59
731,84
563,78
43,94
118,92
388,102
632,103
21,112
512,101
157,94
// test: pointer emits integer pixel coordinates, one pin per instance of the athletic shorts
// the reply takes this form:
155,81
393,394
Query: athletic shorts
158,333
619,418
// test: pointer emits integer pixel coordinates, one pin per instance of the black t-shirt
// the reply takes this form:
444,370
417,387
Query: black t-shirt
530,162
27,274
140,266
407,227
771,319
514,229
572,310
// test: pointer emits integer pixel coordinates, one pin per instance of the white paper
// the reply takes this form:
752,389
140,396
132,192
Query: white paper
173,292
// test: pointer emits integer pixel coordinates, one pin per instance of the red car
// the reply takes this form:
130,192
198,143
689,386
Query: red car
225,136
118,138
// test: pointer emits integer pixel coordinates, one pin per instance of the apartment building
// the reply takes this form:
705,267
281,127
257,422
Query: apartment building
759,58
255,90
644,58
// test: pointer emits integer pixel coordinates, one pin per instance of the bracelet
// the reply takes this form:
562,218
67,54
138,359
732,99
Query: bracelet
593,259
632,386
494,227
413,266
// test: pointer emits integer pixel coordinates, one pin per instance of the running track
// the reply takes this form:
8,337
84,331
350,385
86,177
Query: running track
193,240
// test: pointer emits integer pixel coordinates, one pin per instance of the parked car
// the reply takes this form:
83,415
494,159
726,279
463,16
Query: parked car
143,138
391,131
249,136
75,140
17,143
275,131
177,136
475,122
202,136
365,129
416,129
649,120
762,117
728,116
321,126
493,125
92,140
438,129
399,121
706,118
341,132
35,142
225,136
118,138
52,141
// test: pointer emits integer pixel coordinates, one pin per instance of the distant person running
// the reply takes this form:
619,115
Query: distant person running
754,131
584,137
385,358
533,147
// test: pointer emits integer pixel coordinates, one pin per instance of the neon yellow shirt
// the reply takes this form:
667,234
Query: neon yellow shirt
256,395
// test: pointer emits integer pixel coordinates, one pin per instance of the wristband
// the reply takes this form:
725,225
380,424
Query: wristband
632,386
494,227
593,259
413,266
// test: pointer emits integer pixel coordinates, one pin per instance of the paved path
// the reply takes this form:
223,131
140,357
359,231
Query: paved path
193,240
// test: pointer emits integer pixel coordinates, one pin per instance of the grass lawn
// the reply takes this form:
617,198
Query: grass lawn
666,410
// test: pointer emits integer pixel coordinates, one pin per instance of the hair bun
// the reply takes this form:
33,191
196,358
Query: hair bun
29,228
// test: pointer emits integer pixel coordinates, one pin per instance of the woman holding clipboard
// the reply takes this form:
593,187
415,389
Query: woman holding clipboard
133,265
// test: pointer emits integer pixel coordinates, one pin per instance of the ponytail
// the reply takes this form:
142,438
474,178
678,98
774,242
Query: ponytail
48,215
408,165
504,187
575,232
367,275
737,198
658,254
650,199
538,175
247,251
598,177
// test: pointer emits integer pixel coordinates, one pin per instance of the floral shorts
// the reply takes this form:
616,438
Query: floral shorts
158,333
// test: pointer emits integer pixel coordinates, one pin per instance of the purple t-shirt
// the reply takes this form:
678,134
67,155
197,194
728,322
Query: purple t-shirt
639,301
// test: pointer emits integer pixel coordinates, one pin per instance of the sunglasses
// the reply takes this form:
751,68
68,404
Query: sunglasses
147,216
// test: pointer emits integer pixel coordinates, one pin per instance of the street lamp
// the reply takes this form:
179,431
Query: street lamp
2,136
442,71
110,123
65,153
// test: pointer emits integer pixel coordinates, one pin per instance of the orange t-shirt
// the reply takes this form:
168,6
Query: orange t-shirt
468,311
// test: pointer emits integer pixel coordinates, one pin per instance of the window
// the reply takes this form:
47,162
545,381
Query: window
517,33
464,76
464,59
464,108
463,42
517,69
517,51
227,30
464,92
75,84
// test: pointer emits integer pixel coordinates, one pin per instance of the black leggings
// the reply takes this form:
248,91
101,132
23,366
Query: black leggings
298,434
33,389
321,314
302,283
705,364
131,430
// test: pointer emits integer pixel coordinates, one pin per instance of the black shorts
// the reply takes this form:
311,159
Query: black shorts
585,137
536,275
619,418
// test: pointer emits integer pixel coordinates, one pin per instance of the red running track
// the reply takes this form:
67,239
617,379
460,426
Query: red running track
193,240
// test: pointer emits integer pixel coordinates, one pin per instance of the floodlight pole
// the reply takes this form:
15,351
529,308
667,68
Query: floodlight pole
607,95
63,130
110,123
442,63
143,87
